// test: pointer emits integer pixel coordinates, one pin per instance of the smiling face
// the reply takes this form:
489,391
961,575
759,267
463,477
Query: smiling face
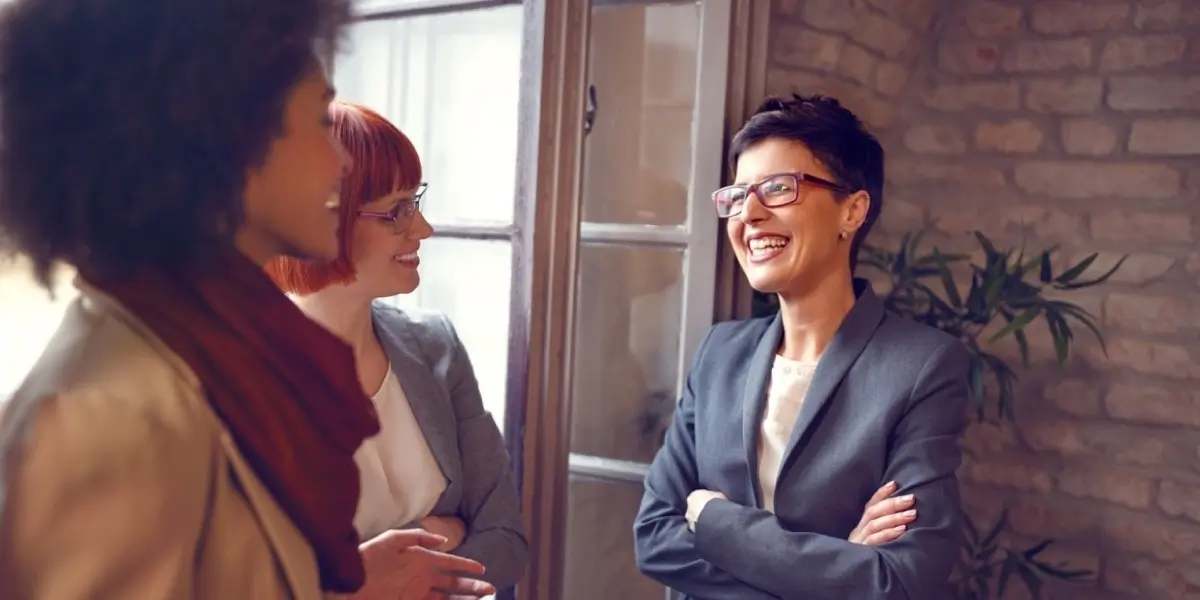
291,200
791,249
385,253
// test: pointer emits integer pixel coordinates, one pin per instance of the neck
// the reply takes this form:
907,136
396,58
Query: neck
811,318
344,313
256,247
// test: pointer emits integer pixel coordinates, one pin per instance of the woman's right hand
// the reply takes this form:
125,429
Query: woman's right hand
884,519
402,564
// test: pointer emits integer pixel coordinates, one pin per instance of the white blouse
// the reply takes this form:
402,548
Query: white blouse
790,381
399,476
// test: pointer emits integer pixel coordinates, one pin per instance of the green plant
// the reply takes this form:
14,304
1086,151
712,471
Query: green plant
1008,286
985,567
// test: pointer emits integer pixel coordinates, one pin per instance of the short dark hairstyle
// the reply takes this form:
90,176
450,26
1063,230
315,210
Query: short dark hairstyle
127,126
834,135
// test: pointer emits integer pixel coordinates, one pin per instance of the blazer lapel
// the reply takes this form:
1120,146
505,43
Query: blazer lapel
754,398
848,343
425,395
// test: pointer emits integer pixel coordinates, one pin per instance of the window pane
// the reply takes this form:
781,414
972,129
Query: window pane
639,152
451,83
600,563
469,280
626,349
28,318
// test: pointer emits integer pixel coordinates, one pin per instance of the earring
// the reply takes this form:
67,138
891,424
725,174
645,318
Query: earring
843,235
333,201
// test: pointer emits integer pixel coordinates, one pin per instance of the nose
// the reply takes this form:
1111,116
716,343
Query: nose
419,228
753,210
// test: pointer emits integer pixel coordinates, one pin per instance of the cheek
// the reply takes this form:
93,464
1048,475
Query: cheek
734,228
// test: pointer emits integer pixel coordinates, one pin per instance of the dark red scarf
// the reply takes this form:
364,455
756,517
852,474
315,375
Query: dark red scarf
286,388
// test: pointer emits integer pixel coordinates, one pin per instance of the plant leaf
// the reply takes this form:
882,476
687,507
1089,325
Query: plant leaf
1016,324
1077,270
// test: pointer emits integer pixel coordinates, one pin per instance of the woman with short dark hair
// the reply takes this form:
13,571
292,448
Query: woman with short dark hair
790,424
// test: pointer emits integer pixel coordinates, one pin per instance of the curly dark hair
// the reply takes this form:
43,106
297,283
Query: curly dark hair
834,135
127,126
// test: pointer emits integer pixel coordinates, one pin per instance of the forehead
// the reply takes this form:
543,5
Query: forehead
774,155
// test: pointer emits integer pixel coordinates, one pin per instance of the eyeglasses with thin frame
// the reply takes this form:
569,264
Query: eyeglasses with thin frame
401,214
780,189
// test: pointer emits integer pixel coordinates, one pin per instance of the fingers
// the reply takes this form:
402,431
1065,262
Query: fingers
882,537
404,538
449,563
451,585
888,489
889,506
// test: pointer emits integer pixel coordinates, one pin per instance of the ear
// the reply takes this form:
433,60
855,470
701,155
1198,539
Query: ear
854,212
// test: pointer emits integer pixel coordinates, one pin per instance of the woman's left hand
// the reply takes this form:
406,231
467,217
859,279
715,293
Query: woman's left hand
451,528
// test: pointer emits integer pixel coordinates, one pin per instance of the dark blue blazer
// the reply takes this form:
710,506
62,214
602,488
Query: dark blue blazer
887,402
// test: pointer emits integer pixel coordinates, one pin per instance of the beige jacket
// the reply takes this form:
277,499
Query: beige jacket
117,480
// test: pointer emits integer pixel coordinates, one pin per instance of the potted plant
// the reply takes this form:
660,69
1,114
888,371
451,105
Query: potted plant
1000,298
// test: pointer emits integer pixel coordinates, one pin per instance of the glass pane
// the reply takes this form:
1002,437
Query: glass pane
28,318
469,280
451,83
626,349
639,152
600,564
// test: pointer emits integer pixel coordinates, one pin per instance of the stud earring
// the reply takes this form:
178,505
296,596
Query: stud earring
843,235
333,202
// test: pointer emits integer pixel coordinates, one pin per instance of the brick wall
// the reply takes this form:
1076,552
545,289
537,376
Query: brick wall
1057,122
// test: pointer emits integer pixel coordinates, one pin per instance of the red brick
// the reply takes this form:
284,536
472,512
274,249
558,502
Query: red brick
1049,55
1010,471
831,15
1150,314
1135,226
1046,221
903,171
1145,579
890,78
1153,404
935,139
801,47
1077,95
1078,179
915,13
1113,443
1160,538
968,56
1145,52
990,439
1088,137
1154,92
1179,137
1074,396
1177,499
1167,14
1019,136
1119,486
902,215
856,63
1153,358
991,95
883,34
1065,17
988,19
1044,516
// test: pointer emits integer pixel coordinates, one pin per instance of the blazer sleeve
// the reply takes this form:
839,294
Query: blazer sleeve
663,546
490,507
923,457
98,510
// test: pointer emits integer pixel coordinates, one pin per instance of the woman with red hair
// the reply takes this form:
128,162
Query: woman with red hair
438,465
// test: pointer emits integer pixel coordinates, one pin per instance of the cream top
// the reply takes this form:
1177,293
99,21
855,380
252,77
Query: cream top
400,478
790,381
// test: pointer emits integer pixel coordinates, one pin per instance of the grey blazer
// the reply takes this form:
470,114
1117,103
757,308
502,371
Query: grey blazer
432,366
887,402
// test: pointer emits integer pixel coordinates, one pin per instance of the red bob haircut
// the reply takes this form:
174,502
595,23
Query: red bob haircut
383,161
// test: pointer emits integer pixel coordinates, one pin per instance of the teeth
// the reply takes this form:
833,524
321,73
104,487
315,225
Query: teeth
405,257
766,243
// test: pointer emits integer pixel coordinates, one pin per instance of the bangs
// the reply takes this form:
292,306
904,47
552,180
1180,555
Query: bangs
383,161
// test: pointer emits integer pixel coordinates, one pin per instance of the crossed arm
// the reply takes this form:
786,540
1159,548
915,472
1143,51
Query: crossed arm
745,553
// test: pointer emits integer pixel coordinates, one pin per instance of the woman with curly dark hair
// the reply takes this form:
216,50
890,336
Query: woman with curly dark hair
187,433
